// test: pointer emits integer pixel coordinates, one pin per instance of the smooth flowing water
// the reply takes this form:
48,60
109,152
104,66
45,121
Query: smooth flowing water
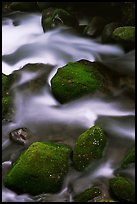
23,41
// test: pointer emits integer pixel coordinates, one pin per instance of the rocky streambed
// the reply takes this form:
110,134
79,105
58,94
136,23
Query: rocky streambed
68,131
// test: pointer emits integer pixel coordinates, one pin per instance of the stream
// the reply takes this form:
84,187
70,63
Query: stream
23,42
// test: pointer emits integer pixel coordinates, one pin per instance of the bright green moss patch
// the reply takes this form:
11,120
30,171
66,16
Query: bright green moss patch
88,194
122,189
125,36
129,158
89,146
76,79
106,200
40,169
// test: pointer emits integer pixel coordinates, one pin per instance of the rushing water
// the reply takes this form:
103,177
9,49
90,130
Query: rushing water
23,41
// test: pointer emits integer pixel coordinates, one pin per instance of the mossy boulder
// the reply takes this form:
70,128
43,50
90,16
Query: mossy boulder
107,32
125,36
106,200
77,79
24,6
7,99
40,169
122,189
87,195
129,158
89,146
54,17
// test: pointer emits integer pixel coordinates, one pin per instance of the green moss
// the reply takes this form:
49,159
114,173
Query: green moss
129,158
40,169
53,17
87,195
125,36
122,189
89,146
125,33
106,200
75,80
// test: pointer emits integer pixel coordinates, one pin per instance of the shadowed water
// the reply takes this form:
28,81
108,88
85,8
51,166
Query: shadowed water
23,41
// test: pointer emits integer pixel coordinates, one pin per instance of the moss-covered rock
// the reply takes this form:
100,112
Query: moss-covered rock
24,6
89,146
106,200
54,17
77,79
7,99
125,36
107,32
87,195
40,169
129,158
122,189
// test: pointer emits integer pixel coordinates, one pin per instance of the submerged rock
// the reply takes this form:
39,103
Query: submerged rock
7,99
89,146
95,26
122,189
125,36
129,158
77,79
40,169
87,195
21,135
107,32
54,17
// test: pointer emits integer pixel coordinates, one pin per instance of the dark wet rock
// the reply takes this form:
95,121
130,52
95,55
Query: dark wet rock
122,189
128,14
21,135
40,169
6,8
54,17
107,32
36,81
95,26
45,5
89,146
87,195
7,98
24,6
125,36
129,158
77,79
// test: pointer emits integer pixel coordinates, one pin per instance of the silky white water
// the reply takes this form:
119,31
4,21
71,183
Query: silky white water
23,41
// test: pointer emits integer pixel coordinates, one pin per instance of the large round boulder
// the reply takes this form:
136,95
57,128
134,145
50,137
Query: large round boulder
77,79
40,169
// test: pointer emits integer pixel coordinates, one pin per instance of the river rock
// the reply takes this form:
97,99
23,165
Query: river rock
129,158
77,79
107,32
95,26
125,36
40,169
7,99
24,6
89,146
56,17
21,135
122,189
87,195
